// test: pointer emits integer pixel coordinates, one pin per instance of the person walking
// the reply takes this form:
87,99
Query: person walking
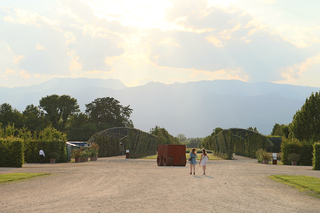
203,161
42,155
193,162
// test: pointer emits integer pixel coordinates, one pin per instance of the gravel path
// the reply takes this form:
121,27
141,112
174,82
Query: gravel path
116,184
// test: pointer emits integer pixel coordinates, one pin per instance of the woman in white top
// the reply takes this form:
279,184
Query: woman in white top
203,160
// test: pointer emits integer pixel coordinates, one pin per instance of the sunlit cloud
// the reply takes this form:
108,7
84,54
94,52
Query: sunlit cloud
39,47
164,40
214,41
10,72
24,74
293,73
74,64
40,76
17,58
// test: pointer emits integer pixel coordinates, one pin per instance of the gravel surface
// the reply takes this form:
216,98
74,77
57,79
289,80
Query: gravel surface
116,184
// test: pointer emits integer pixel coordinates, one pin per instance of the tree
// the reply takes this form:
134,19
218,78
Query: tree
58,109
277,130
109,111
182,138
34,119
253,129
164,136
80,129
306,122
10,116
194,142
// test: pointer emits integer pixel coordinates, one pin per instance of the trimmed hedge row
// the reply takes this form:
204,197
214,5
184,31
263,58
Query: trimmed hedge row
11,152
316,156
108,146
276,142
304,150
222,144
31,150
141,144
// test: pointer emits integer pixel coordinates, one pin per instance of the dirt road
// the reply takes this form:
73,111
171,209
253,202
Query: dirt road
116,184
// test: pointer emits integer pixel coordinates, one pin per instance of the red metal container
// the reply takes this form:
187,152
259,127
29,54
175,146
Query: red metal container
171,155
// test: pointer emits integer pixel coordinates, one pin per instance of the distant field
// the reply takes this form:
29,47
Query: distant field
19,176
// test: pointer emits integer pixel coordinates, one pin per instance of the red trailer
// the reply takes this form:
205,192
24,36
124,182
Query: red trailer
171,155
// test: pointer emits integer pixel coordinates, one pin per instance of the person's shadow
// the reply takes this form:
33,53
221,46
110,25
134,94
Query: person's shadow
202,176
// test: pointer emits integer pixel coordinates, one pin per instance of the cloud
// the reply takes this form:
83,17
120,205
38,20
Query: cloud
239,43
39,47
17,58
24,74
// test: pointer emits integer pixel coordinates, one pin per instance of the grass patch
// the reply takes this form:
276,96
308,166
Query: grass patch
18,176
211,157
301,182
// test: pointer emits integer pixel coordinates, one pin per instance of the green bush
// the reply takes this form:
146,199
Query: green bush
306,155
11,152
293,157
31,150
316,156
305,150
54,155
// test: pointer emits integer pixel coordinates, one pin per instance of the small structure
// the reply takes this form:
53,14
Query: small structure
171,155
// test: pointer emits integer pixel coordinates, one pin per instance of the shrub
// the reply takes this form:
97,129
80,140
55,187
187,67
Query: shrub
31,150
293,157
11,152
306,154
303,148
54,155
289,146
85,153
76,153
262,155
93,152
316,156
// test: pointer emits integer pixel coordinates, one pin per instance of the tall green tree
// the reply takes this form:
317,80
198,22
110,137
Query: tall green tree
164,136
277,129
58,109
8,115
182,138
34,119
306,121
109,111
80,129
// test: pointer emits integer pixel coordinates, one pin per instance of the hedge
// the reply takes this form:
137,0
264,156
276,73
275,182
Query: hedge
316,156
222,144
304,150
141,144
276,142
32,148
108,146
11,152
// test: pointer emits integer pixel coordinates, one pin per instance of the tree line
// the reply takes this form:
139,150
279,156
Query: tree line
62,113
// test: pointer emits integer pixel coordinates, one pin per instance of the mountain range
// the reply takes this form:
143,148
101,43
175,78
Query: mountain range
193,108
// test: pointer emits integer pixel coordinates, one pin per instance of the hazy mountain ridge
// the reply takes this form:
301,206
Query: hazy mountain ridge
193,108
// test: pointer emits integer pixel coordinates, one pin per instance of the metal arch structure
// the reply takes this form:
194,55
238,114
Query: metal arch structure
138,142
241,141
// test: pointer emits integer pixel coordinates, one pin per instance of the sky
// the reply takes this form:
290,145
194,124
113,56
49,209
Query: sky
167,41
